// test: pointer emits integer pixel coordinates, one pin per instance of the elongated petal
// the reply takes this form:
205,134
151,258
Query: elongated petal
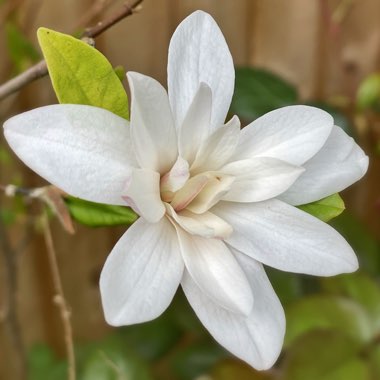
142,273
339,164
153,134
216,272
286,238
198,53
83,150
142,193
206,225
293,134
214,190
196,125
217,149
260,178
256,339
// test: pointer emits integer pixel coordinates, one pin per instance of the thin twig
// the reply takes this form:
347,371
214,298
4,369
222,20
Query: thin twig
40,69
59,298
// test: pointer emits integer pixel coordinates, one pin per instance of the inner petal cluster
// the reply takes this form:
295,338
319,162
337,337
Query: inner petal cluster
188,199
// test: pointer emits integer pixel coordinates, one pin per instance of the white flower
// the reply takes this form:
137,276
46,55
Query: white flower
215,202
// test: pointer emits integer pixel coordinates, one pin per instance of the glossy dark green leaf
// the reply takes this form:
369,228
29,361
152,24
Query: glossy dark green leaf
258,91
80,74
323,312
325,209
98,215
325,356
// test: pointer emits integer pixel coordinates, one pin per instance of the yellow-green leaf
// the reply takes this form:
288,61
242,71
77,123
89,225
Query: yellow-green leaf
80,74
325,209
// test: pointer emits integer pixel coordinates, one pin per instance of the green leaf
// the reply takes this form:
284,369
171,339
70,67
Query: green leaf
325,209
80,74
325,356
325,312
258,91
361,288
374,357
99,215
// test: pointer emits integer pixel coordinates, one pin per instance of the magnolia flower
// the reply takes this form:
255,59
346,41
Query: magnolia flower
215,202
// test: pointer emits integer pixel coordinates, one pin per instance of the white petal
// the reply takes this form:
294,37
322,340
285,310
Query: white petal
142,273
260,178
142,193
286,238
217,149
215,270
83,150
217,186
195,127
153,134
206,225
198,53
256,339
292,134
339,164
175,179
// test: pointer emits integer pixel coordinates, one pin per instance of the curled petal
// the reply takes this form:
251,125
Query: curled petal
142,193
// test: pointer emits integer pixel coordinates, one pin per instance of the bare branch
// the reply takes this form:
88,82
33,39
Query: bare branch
40,69
59,298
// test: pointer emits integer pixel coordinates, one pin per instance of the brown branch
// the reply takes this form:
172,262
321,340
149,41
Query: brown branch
59,298
40,69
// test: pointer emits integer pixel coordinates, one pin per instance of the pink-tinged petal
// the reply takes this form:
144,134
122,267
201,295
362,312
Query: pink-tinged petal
260,178
206,225
84,150
339,164
218,148
141,274
217,186
142,193
257,339
175,179
153,133
189,191
198,53
216,272
196,125
293,134
286,238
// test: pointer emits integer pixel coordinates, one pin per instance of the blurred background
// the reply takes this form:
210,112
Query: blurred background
320,52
